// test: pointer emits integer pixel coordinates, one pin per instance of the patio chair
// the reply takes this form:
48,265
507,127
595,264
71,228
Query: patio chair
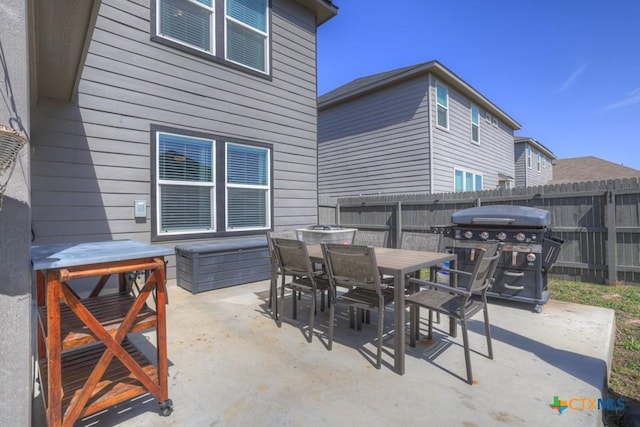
275,268
293,260
354,267
457,303
376,239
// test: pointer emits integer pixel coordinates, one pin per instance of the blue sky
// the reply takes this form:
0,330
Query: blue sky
567,71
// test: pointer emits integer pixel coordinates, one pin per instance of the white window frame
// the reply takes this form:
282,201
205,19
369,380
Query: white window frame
529,158
264,34
218,24
465,173
445,107
160,182
212,23
475,123
539,162
267,188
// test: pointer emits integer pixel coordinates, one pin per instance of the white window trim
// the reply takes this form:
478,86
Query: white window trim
475,124
267,53
160,182
529,158
259,187
464,182
438,125
212,23
539,157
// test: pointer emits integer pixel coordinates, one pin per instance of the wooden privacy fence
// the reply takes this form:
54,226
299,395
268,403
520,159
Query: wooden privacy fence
599,221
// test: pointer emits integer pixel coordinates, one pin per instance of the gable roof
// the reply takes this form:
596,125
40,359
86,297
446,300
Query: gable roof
368,84
589,168
535,144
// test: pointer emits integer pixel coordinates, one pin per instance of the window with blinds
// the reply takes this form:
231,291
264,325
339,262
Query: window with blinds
197,189
186,184
191,24
248,190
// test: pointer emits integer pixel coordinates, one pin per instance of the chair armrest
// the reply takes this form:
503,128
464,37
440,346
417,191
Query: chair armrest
439,286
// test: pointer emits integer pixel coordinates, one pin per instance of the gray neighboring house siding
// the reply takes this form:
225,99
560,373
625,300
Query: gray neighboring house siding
92,157
540,172
378,134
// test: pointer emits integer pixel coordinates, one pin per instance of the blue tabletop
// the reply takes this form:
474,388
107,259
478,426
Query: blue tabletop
74,254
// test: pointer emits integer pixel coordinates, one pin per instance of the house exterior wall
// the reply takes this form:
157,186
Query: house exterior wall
387,142
454,148
541,170
16,362
93,157
378,142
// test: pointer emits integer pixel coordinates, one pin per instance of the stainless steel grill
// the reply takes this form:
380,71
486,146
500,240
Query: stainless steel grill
530,250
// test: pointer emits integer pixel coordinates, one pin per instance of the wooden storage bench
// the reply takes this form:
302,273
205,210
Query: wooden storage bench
221,263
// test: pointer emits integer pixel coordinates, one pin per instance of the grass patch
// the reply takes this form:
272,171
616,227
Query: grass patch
625,301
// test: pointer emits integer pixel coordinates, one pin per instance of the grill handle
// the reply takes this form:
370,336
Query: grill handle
495,221
513,274
513,288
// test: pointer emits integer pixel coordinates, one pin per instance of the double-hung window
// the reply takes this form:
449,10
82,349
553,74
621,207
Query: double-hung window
233,32
539,162
185,184
246,33
529,157
466,181
475,124
208,186
248,187
442,101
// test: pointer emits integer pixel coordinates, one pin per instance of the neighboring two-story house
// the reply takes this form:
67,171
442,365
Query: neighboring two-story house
415,129
200,113
534,162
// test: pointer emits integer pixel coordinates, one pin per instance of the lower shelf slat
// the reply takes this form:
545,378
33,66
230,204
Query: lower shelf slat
116,385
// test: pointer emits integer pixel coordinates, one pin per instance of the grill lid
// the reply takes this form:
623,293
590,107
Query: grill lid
503,215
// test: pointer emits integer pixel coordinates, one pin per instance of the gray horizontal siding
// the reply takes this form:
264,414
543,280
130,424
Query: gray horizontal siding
375,143
92,157
521,165
454,147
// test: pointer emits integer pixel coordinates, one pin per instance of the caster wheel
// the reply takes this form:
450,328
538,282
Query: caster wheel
538,309
166,407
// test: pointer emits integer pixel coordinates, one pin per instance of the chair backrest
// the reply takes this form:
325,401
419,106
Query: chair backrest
485,266
428,242
371,238
352,266
277,234
292,257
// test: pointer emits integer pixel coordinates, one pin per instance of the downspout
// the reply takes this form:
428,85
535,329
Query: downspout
429,121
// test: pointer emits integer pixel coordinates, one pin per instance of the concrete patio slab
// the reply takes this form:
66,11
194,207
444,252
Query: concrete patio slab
230,365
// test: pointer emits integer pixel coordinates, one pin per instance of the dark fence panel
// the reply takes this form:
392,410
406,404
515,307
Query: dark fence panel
600,221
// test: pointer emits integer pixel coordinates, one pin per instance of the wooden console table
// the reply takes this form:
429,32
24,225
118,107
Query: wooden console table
86,361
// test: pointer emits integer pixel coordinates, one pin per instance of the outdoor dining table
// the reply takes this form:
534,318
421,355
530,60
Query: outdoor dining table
398,263
86,361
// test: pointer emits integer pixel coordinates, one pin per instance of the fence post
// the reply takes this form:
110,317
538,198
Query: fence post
612,259
336,213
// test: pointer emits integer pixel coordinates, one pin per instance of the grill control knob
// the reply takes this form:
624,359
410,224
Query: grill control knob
520,237
484,235
502,235
468,234
531,257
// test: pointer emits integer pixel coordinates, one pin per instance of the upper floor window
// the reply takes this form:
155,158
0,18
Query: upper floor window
529,157
442,100
539,162
475,123
206,187
466,181
246,33
228,31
